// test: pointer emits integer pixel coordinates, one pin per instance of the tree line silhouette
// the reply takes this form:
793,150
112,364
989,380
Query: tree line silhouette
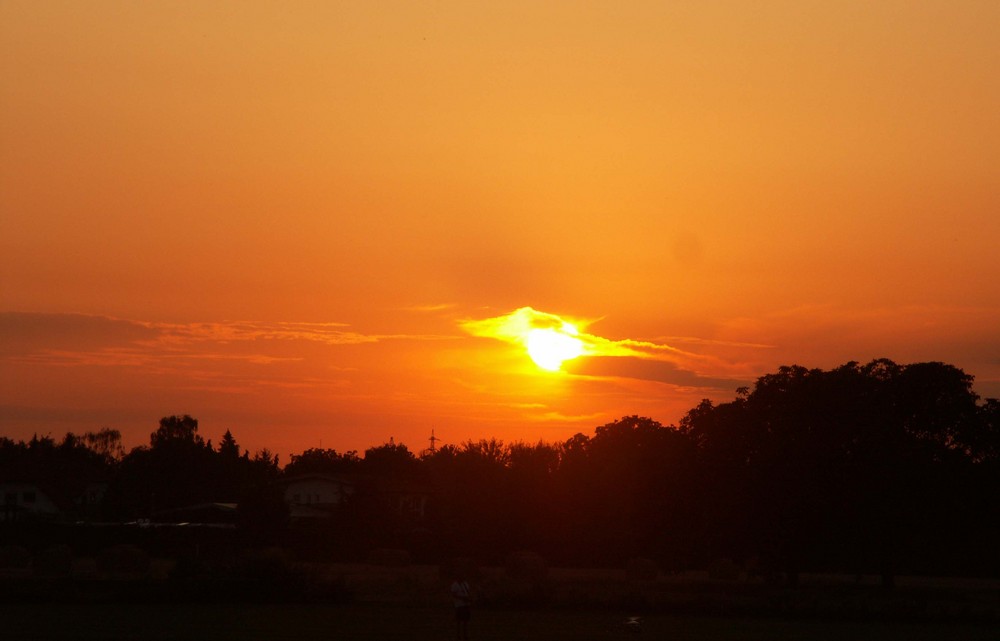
865,468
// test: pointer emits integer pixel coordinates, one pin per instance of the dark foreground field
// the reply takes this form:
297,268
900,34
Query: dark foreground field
412,603
114,622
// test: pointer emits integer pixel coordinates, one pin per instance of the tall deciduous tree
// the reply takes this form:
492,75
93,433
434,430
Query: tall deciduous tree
176,429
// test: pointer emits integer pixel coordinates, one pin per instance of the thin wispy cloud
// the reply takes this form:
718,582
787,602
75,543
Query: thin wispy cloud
425,309
559,417
694,340
109,357
102,339
208,357
238,331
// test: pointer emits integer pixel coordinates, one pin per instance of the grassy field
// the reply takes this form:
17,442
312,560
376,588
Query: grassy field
412,604
114,622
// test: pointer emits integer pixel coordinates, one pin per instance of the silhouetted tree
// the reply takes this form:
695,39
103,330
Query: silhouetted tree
106,443
389,460
530,485
848,463
265,459
322,461
228,446
875,467
625,484
182,429
984,444
180,469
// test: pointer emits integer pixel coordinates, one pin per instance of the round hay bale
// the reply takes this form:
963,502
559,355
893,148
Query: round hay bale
724,570
526,566
389,558
123,561
460,566
641,569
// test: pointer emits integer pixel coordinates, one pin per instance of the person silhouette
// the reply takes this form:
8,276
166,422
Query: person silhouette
461,594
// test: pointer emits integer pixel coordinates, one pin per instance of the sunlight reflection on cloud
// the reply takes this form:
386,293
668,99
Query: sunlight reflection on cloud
515,327
605,357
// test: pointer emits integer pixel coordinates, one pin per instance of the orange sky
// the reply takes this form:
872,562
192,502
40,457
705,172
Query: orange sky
280,217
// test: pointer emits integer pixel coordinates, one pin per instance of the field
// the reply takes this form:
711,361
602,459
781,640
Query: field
395,623
412,604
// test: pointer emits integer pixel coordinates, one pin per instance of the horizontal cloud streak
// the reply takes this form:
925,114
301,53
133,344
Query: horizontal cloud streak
217,357
650,370
101,339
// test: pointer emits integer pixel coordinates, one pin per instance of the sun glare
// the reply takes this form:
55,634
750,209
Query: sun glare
550,347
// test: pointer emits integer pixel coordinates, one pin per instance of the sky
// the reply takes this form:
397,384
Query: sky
329,224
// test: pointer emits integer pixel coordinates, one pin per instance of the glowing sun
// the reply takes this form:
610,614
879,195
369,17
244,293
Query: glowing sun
550,347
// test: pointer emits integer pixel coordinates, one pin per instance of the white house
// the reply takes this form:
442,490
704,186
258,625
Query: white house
22,499
315,495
